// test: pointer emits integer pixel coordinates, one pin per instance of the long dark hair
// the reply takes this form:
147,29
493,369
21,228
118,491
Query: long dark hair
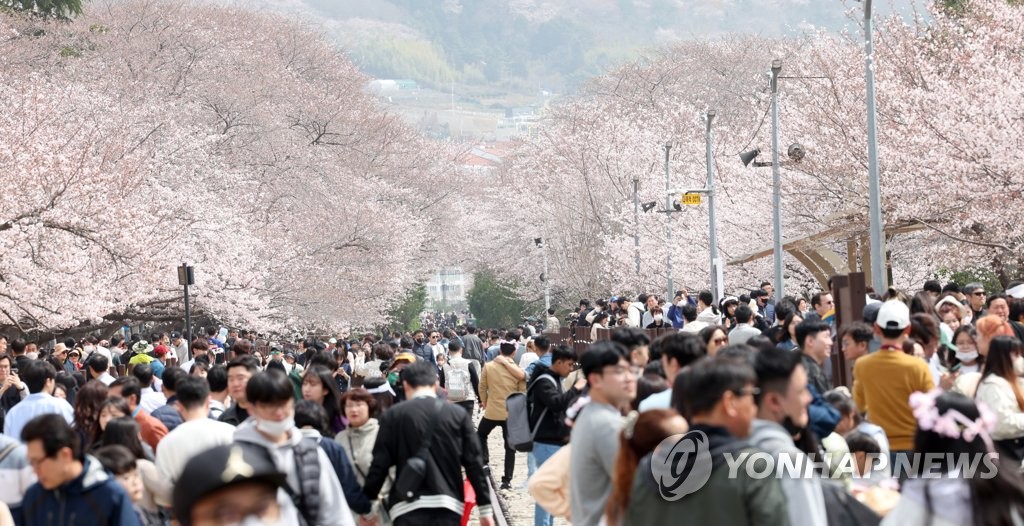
124,431
87,412
332,398
994,500
1000,363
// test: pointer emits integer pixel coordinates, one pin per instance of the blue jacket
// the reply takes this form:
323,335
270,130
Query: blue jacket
168,415
93,498
823,417
675,315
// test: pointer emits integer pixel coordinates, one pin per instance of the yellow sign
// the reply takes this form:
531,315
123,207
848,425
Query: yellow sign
690,199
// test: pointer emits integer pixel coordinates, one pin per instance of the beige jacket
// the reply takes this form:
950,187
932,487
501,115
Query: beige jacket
496,383
549,485
358,445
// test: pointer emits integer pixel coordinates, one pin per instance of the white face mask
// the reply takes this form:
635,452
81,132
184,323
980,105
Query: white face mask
276,427
658,317
967,356
32,355
680,303
1018,365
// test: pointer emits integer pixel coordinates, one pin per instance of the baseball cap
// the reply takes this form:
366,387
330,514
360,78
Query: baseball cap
893,314
160,350
219,468
332,341
175,335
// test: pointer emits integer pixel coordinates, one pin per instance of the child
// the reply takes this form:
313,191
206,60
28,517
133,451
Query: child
120,462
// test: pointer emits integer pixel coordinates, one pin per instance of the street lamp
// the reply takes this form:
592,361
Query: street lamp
186,277
539,241
874,184
776,184
668,218
796,154
716,282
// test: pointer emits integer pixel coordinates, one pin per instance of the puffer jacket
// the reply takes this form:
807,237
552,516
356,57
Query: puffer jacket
93,498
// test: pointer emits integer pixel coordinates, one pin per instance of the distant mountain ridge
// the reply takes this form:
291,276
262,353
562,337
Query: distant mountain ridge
526,46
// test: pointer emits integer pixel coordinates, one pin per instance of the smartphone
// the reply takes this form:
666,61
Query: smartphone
955,368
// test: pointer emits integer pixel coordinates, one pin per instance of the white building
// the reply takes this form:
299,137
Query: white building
446,290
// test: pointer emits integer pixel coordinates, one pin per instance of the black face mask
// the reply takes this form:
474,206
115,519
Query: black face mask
419,340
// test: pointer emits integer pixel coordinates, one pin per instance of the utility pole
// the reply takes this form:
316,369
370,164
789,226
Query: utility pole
543,245
636,225
776,184
716,284
874,184
668,218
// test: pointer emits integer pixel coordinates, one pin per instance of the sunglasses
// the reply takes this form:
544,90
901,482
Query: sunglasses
720,341
979,293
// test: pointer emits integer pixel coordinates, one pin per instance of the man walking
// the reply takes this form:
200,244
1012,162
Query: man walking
500,378
448,430
548,404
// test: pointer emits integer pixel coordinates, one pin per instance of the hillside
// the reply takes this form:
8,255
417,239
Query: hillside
496,55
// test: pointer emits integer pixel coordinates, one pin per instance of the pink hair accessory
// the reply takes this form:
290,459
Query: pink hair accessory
953,423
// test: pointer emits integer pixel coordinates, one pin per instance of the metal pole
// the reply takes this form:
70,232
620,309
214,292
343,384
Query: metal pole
874,185
668,219
712,224
188,314
547,280
636,225
776,184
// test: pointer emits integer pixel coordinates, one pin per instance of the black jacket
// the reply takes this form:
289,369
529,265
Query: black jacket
543,393
234,415
403,428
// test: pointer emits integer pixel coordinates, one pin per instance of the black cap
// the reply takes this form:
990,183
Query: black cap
175,335
221,467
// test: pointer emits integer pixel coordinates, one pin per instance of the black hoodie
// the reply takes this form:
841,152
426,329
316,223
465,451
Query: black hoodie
545,394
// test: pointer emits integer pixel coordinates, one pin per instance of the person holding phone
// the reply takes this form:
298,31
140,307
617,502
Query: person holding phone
12,389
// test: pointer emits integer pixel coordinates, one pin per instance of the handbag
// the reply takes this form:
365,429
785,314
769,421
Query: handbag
410,479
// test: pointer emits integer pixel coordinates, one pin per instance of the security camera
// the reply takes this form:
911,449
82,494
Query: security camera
796,152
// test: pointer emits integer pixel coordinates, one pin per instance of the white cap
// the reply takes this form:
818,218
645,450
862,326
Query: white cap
1016,292
893,314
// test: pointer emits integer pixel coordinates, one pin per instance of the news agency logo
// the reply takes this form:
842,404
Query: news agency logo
681,465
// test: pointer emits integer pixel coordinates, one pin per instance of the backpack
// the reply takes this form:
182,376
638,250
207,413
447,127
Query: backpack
457,381
520,436
307,466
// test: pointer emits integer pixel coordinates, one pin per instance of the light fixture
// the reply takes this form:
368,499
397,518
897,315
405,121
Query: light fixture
748,157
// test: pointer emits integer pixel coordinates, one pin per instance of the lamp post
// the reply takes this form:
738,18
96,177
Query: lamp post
874,185
668,219
542,244
636,225
776,184
186,277
716,282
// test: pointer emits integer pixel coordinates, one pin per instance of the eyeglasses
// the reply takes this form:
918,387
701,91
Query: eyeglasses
978,293
751,391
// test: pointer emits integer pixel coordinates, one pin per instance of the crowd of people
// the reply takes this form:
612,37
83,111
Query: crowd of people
394,429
